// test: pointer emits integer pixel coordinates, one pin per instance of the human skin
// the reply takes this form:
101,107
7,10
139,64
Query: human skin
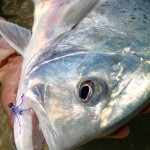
9,80
10,71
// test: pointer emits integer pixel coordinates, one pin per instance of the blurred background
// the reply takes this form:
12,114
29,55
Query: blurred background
21,13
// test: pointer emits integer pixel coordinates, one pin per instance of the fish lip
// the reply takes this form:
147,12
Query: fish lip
50,135
36,134
36,139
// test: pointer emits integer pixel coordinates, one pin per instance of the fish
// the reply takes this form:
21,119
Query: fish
85,71
16,112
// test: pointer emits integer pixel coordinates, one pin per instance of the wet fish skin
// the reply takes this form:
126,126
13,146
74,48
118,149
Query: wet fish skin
108,47
113,54
71,118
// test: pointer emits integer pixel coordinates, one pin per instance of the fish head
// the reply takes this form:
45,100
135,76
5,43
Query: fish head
83,94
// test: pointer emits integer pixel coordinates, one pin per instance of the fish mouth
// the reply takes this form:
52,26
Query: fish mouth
36,130
38,138
30,135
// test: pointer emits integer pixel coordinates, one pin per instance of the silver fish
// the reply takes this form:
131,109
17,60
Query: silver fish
86,70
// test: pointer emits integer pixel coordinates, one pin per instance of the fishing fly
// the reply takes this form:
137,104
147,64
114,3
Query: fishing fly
16,111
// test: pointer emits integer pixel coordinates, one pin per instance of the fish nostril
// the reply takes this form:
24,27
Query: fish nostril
84,92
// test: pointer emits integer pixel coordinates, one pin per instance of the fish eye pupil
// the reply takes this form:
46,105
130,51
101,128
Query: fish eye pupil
86,91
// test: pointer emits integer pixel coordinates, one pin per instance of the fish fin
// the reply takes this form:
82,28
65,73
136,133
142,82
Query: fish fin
60,16
17,37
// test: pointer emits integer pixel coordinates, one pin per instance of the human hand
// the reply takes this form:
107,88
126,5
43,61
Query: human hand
9,79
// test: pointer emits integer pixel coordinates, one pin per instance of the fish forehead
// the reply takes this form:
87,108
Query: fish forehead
114,15
131,23
76,58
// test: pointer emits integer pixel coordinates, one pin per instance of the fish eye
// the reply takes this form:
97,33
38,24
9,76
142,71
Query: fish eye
92,90
86,91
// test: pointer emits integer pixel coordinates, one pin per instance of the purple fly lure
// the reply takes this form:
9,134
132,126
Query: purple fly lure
16,112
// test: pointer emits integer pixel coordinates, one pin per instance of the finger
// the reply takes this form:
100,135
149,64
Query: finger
9,85
120,133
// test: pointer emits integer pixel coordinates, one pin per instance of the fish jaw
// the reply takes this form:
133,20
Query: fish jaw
53,123
23,133
27,130
31,134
